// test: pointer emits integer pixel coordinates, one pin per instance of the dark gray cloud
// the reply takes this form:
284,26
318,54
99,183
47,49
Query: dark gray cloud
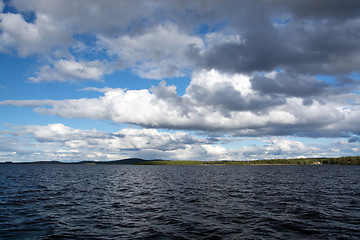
309,37
289,85
225,98
354,139
321,8
322,50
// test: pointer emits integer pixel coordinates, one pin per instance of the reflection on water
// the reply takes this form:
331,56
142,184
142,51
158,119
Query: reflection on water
179,202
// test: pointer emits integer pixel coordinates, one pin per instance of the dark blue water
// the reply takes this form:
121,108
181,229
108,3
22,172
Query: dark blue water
179,202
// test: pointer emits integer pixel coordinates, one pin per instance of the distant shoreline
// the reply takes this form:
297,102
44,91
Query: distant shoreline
350,160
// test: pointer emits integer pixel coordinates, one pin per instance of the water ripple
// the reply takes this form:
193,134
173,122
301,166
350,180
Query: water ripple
179,202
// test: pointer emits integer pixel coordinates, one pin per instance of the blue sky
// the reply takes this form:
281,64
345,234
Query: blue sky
183,80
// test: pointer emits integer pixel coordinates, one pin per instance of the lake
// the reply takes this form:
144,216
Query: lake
54,201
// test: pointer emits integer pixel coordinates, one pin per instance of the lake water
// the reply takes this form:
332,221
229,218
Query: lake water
179,202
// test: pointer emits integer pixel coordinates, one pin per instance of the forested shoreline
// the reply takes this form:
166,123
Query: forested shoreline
353,160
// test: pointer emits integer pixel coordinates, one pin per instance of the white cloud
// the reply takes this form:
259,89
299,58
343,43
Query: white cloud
287,147
71,70
141,107
279,146
153,139
215,150
103,90
213,102
26,38
213,79
108,17
215,38
58,140
158,53
58,132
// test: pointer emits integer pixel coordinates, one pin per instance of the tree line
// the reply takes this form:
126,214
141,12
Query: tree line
351,160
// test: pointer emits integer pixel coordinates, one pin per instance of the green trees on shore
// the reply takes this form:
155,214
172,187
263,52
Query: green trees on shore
300,161
342,160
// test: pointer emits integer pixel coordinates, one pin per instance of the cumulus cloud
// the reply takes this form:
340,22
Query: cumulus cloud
125,139
157,110
290,85
157,53
289,147
58,132
227,93
71,70
160,39
214,102
39,37
275,147
58,140
296,47
109,17
305,43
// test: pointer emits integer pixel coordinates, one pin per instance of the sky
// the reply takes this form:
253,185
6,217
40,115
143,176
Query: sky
179,80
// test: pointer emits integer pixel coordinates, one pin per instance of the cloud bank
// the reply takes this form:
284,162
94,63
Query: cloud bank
63,143
214,102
